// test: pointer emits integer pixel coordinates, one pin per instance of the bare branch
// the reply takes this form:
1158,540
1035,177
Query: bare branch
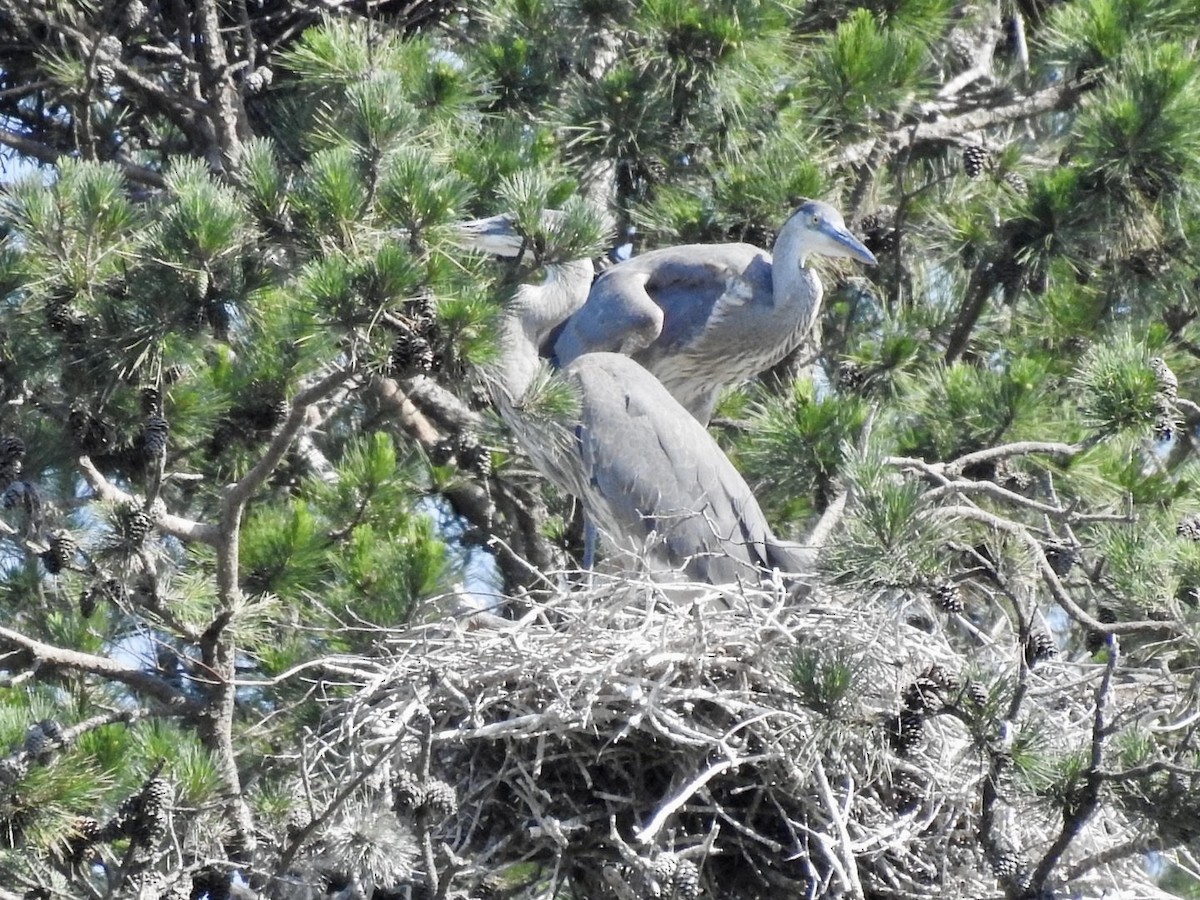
1064,599
51,657
44,153
176,526
954,127
1082,804
1005,451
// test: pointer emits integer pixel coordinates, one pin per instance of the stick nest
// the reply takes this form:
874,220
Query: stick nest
636,747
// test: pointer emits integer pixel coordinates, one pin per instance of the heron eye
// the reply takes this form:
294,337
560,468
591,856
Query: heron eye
816,219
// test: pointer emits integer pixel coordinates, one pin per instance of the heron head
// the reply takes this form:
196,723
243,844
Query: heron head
554,236
495,235
823,231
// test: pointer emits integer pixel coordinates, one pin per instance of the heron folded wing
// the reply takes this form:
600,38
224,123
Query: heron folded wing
659,477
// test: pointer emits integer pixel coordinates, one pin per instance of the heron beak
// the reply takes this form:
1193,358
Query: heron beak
494,235
851,246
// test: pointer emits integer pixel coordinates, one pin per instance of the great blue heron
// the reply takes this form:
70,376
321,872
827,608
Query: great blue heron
648,475
700,317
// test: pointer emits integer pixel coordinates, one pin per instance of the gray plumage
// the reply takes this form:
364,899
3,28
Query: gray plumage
700,317
649,476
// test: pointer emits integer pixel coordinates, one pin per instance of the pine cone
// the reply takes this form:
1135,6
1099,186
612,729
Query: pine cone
663,871
37,745
851,375
946,681
133,16
440,798
61,552
408,794
948,597
150,822
258,80
11,448
298,813
1061,556
1012,479
1166,424
1006,864
411,354
906,730
977,693
141,816
921,695
62,317
422,309
1039,648
473,456
85,832
105,75
975,160
1168,384
154,436
12,770
1189,527
109,46
1016,182
937,674
53,731
134,525
687,880
879,235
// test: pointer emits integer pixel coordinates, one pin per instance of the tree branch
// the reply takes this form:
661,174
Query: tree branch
1061,597
1079,808
949,128
44,153
49,656
176,526
217,649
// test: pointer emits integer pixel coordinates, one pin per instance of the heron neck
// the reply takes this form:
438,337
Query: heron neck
535,311
517,364
788,258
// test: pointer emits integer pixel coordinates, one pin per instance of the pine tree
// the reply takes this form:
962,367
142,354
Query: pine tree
243,429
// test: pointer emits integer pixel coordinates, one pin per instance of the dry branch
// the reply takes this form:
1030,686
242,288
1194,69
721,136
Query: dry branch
615,734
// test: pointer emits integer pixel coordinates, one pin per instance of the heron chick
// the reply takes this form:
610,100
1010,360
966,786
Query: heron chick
648,475
700,317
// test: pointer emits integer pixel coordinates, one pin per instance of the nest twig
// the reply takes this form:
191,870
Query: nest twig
616,739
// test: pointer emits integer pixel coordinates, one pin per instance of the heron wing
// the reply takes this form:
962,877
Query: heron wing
696,286
652,468
663,298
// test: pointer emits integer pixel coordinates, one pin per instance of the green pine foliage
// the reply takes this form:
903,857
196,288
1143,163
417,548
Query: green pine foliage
243,366
809,431
865,65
